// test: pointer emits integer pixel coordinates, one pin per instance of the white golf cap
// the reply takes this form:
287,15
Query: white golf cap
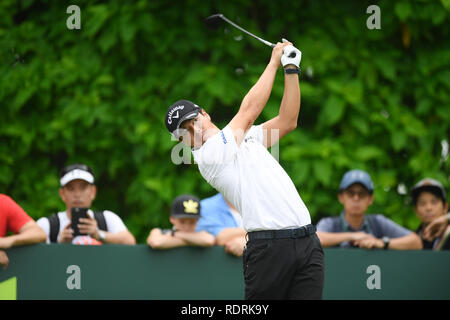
76,172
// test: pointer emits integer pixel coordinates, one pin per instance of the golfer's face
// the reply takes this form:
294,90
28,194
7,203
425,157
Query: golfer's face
429,207
194,135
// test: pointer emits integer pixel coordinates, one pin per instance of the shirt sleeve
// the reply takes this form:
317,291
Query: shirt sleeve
390,228
208,225
325,225
257,133
16,216
113,222
45,225
216,153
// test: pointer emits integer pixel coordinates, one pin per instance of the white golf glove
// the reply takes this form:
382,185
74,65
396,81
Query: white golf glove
291,55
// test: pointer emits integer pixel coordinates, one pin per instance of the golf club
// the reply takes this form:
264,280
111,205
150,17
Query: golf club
215,20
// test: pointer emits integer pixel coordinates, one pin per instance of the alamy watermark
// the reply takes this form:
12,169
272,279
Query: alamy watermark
374,281
74,20
181,152
74,280
374,20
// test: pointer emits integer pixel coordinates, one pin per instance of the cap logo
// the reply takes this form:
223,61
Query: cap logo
171,112
190,206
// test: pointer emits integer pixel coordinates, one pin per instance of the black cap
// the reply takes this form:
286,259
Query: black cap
74,172
185,206
429,185
178,112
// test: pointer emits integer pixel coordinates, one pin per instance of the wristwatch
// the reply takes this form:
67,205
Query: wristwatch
292,70
386,241
101,235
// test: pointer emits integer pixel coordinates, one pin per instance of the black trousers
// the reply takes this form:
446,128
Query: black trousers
284,268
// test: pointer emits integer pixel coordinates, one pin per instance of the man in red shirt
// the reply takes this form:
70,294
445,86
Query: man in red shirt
14,219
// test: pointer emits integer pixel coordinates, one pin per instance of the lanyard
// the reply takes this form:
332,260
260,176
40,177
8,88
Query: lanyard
344,228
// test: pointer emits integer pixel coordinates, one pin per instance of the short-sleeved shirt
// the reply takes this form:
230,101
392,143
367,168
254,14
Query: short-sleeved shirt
252,180
375,224
216,215
113,224
12,216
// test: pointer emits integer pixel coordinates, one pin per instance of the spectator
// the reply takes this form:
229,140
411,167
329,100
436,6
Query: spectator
221,219
78,191
430,205
355,228
14,219
184,215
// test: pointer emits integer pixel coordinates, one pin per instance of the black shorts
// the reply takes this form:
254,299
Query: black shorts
286,268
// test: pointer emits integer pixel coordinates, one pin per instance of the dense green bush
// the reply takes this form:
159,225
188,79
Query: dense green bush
378,100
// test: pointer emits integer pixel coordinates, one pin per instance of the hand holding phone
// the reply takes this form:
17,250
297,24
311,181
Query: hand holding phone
78,213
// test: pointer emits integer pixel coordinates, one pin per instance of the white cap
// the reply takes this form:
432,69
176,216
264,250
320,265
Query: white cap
77,174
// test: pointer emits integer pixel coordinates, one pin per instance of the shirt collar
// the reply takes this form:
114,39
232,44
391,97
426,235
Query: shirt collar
346,226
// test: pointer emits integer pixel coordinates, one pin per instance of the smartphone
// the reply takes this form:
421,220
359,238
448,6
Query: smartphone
78,213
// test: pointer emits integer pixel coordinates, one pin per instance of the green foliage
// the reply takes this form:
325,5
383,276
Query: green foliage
378,100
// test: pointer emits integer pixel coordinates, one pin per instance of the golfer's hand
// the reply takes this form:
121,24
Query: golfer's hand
4,261
291,56
435,229
66,235
277,52
88,226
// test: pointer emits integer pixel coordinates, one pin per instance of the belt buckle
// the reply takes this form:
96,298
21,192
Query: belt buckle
294,233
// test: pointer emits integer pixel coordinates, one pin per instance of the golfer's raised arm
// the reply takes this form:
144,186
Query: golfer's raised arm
286,121
255,100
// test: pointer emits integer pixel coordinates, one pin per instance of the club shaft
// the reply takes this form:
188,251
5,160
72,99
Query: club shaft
250,34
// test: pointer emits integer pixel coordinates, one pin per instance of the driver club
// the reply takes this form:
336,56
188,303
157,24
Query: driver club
216,20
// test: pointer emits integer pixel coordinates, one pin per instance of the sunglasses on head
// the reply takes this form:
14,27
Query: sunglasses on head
71,167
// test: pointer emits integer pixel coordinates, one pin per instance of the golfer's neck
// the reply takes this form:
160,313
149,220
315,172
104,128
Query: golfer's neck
209,132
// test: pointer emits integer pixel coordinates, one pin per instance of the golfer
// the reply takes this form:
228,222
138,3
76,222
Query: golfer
283,258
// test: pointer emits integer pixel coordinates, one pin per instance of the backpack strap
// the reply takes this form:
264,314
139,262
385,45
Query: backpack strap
101,221
54,227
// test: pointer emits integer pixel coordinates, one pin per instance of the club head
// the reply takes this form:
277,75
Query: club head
214,21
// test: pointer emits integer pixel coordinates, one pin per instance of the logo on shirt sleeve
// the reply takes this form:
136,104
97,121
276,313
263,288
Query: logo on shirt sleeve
223,137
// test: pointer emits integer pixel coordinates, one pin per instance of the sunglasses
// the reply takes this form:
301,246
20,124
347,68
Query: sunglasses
71,167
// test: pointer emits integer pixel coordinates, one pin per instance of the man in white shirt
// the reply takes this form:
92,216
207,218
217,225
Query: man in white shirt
283,258
78,191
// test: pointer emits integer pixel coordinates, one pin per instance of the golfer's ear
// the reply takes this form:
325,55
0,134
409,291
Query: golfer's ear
180,139
204,113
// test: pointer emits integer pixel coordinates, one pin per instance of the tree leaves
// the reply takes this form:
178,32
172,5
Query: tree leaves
99,95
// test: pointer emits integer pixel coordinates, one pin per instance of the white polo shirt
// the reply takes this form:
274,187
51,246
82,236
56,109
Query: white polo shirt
252,180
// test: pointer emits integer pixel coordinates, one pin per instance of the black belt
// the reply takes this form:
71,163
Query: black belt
283,234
